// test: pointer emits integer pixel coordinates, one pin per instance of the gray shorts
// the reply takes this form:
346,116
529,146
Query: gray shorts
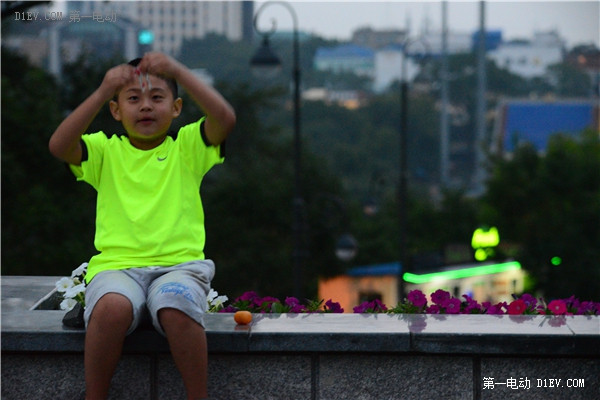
149,289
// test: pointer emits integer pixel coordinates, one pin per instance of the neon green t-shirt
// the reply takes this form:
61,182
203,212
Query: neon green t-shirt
149,211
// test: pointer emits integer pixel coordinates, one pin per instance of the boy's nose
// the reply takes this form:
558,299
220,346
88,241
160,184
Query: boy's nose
146,103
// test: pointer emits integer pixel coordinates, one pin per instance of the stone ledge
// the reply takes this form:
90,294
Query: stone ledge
312,356
42,331
27,330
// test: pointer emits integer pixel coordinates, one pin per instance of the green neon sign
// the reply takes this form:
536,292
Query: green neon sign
462,273
485,237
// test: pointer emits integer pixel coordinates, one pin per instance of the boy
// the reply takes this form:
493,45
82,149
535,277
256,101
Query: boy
149,218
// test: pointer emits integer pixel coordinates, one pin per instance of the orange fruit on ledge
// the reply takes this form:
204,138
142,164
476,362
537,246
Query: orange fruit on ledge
242,317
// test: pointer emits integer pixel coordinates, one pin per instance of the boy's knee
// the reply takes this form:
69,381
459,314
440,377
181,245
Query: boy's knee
175,319
113,309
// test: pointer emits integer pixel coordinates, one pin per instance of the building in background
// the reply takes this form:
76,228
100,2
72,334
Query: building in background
535,121
123,29
172,22
493,282
530,58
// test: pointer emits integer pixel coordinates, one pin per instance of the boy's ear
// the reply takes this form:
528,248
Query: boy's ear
114,110
177,106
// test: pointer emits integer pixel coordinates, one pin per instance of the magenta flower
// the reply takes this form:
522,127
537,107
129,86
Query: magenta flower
247,296
452,306
433,309
557,307
530,301
517,307
417,298
439,296
494,309
470,306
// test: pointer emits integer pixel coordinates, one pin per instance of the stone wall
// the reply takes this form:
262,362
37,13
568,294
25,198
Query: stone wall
319,357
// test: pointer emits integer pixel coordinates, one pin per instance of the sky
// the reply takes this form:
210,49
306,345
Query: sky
577,22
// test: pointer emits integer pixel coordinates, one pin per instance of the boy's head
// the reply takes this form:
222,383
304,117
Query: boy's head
146,111
171,83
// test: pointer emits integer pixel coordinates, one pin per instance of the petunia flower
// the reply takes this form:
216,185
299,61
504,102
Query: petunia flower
64,284
557,307
452,306
73,291
439,296
68,304
417,298
517,307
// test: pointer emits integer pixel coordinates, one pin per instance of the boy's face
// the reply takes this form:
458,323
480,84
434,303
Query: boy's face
146,115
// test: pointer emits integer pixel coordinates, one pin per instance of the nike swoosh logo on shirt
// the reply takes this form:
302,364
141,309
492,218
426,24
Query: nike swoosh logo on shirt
161,158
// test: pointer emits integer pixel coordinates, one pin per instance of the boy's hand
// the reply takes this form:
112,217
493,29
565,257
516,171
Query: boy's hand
159,64
115,78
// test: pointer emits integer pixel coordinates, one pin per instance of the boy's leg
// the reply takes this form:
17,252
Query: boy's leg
106,330
114,305
187,341
177,303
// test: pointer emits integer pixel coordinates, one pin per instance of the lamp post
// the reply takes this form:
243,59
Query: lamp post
264,57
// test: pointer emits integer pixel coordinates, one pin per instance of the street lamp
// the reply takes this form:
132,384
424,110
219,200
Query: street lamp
265,58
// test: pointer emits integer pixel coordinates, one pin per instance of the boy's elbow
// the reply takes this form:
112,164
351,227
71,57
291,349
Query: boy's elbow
230,121
54,147
68,154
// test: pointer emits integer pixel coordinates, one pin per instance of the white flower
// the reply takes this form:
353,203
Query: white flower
215,302
79,271
73,291
64,284
68,304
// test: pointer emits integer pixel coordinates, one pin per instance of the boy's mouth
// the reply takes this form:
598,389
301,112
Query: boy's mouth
145,120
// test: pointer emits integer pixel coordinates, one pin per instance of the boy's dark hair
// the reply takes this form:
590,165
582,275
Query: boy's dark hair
171,83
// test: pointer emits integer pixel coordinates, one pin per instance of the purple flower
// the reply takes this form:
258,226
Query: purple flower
294,305
247,296
433,309
374,306
452,306
333,307
417,298
530,301
228,309
361,308
471,306
493,309
439,296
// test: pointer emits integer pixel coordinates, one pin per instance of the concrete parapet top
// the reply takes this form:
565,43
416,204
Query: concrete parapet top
25,330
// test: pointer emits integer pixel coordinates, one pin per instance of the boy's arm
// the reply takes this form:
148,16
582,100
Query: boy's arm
220,116
65,141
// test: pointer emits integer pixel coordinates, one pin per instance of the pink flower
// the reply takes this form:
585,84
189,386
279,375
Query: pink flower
557,307
517,307
417,298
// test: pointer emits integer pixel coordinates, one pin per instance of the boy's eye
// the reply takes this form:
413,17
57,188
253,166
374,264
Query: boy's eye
132,98
157,97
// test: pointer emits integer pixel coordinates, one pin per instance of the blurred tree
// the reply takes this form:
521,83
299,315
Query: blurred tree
47,218
248,204
550,205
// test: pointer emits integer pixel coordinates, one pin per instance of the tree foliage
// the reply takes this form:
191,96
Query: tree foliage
550,206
